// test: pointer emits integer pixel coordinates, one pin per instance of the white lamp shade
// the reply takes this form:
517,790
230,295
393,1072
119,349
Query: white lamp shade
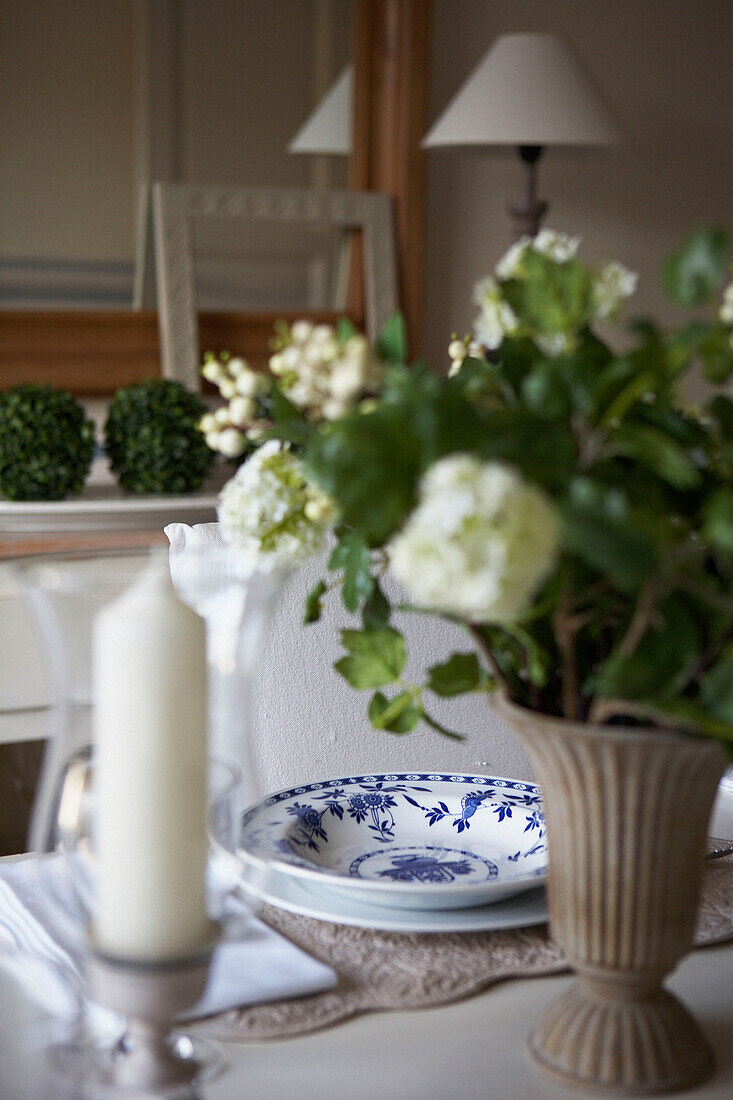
529,89
328,128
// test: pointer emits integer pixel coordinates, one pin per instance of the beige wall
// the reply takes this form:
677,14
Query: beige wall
665,67
66,129
247,74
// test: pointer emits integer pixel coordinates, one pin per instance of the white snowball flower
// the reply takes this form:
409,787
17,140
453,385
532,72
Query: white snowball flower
479,544
726,309
613,285
266,509
496,318
207,423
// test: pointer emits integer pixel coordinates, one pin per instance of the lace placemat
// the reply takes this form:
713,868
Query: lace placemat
379,971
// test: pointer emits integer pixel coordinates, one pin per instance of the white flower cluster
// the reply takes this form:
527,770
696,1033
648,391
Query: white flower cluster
271,511
551,243
323,375
480,542
460,349
496,318
226,429
613,285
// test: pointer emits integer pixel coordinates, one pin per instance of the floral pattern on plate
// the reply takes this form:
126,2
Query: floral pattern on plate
393,837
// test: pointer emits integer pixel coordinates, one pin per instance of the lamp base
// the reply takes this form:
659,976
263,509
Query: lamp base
527,216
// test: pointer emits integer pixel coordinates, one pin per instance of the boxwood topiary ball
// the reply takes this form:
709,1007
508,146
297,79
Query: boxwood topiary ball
46,443
153,441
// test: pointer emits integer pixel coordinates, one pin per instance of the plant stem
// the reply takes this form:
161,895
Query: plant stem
491,660
640,620
712,651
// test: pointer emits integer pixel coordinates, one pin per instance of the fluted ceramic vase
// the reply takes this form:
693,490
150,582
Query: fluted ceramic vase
627,816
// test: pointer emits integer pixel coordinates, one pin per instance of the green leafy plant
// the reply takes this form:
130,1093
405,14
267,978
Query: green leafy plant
153,440
46,443
555,496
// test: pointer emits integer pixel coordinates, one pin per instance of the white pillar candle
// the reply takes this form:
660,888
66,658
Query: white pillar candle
149,682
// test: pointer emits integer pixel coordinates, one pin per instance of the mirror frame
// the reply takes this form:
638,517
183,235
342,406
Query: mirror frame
94,352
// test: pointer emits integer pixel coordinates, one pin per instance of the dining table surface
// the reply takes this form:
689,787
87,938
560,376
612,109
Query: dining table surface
473,1049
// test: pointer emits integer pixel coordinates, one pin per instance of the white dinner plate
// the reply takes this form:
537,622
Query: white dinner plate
411,840
312,900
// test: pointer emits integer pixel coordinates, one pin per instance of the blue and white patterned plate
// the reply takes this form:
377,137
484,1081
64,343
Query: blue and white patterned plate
408,841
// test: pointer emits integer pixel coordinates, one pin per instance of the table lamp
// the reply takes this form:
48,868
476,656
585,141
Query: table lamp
328,128
529,91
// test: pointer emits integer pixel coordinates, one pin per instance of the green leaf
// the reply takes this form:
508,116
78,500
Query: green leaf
599,526
376,609
345,329
461,672
657,452
363,672
290,424
313,602
660,665
376,657
718,519
691,275
721,408
398,715
387,642
716,687
552,297
716,353
695,718
538,660
392,340
352,555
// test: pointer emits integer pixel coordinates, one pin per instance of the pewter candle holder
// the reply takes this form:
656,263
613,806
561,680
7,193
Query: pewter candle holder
151,996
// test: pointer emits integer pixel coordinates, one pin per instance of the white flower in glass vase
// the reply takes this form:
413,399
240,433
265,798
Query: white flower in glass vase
479,544
270,509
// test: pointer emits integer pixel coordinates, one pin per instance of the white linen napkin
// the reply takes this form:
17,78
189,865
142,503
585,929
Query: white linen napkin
39,915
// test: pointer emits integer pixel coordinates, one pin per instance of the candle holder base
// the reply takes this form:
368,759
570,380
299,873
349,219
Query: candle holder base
150,1060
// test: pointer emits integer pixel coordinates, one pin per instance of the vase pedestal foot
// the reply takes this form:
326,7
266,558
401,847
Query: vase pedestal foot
638,1047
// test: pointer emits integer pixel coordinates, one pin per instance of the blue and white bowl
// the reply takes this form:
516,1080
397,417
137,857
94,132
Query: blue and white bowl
408,841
